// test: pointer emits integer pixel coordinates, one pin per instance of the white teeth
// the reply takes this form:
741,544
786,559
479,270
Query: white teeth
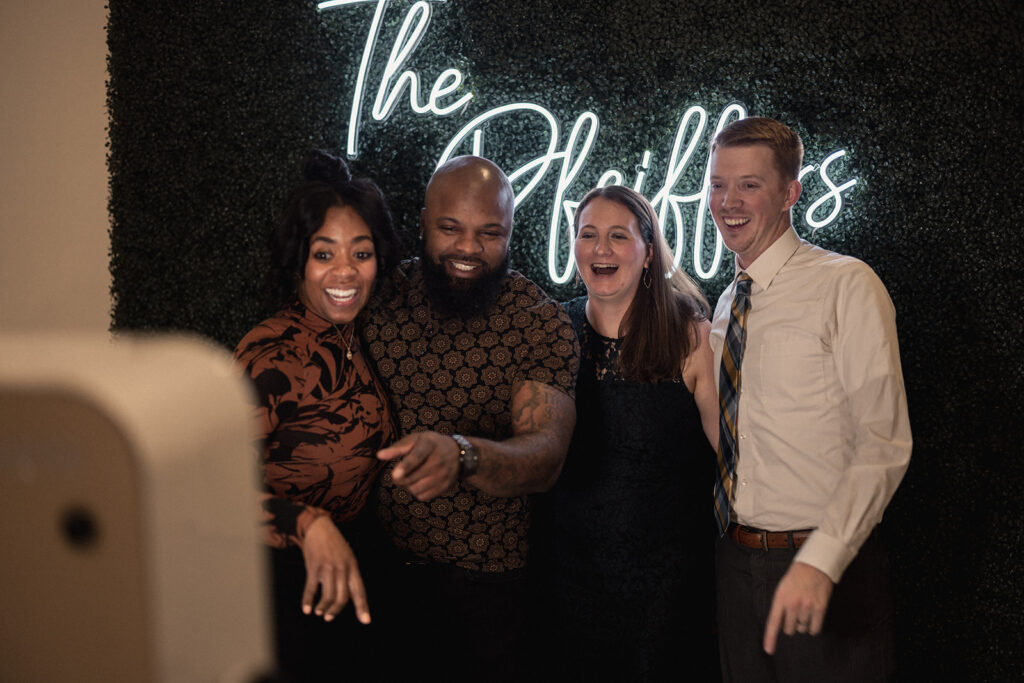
341,294
733,222
462,266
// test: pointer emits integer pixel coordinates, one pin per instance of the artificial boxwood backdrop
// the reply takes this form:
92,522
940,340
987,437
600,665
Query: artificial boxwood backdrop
214,103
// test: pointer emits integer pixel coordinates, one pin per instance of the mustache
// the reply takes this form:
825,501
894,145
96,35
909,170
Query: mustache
462,298
474,260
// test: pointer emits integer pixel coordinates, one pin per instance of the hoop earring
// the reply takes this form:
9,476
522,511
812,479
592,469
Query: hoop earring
646,278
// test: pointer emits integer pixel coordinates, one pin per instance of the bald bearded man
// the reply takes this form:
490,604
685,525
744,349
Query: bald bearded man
481,367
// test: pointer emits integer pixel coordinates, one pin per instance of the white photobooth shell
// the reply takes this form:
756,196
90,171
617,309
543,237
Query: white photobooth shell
128,500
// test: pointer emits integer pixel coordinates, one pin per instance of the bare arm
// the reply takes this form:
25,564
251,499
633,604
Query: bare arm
699,375
528,462
542,422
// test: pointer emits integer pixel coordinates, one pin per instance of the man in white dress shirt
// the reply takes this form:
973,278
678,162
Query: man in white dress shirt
822,433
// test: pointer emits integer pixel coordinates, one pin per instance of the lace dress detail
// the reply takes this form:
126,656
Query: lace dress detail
625,538
605,356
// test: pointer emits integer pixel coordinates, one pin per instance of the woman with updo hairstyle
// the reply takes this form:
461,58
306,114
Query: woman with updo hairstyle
322,414
625,539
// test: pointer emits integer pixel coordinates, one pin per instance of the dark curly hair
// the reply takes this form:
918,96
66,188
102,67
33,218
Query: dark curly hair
327,182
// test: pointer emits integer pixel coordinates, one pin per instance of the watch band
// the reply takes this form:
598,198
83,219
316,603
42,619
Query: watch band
468,457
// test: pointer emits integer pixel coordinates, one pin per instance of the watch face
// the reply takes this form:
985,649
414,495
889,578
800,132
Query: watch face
467,456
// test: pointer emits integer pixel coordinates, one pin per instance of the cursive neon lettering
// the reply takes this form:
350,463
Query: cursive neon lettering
702,204
338,3
401,49
447,83
641,171
539,166
442,90
834,194
679,211
405,43
611,177
566,177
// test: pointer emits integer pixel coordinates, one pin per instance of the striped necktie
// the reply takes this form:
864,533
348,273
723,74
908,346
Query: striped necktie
728,400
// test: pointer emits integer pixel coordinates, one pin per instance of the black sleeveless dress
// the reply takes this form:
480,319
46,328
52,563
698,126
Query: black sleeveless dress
624,542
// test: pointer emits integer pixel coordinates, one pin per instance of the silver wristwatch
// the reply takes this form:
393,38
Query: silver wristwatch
468,457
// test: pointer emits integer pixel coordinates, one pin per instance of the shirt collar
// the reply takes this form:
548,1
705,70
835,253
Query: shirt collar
314,323
766,266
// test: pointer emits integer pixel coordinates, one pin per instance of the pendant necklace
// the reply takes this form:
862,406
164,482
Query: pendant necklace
348,345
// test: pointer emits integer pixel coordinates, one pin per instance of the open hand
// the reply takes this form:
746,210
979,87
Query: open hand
331,565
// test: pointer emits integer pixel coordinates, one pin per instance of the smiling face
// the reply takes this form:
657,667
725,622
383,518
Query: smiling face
610,251
749,199
465,225
340,268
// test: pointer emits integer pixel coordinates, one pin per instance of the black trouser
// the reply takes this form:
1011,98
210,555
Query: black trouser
856,643
448,623
310,649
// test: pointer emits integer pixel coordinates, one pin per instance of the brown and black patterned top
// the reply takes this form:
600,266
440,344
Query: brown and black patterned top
322,416
456,376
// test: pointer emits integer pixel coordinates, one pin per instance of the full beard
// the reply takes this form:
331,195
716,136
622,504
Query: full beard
461,298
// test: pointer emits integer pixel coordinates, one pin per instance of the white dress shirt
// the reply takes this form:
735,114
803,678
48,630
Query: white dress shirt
823,433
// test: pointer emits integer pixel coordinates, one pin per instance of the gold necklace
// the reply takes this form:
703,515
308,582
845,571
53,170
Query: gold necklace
348,344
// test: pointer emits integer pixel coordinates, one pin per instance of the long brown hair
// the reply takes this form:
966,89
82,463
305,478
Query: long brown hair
660,327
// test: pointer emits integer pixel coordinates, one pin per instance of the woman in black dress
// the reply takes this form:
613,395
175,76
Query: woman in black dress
624,542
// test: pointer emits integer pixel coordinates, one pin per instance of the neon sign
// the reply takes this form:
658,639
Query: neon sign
680,211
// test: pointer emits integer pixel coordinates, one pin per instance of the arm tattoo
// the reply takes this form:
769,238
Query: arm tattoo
534,411
542,422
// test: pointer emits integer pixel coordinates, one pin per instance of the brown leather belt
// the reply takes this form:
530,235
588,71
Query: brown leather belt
759,538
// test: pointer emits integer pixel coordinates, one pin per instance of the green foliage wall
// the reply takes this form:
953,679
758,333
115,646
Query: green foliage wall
214,103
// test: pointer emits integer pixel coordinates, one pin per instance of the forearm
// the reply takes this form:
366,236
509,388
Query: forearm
529,463
856,506
285,521
272,370
543,419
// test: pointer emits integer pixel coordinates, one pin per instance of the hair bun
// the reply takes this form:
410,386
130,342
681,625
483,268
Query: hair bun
324,166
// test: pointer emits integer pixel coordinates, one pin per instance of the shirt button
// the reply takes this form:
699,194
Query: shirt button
743,436
744,482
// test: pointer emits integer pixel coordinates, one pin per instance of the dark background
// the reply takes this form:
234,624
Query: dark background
213,104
